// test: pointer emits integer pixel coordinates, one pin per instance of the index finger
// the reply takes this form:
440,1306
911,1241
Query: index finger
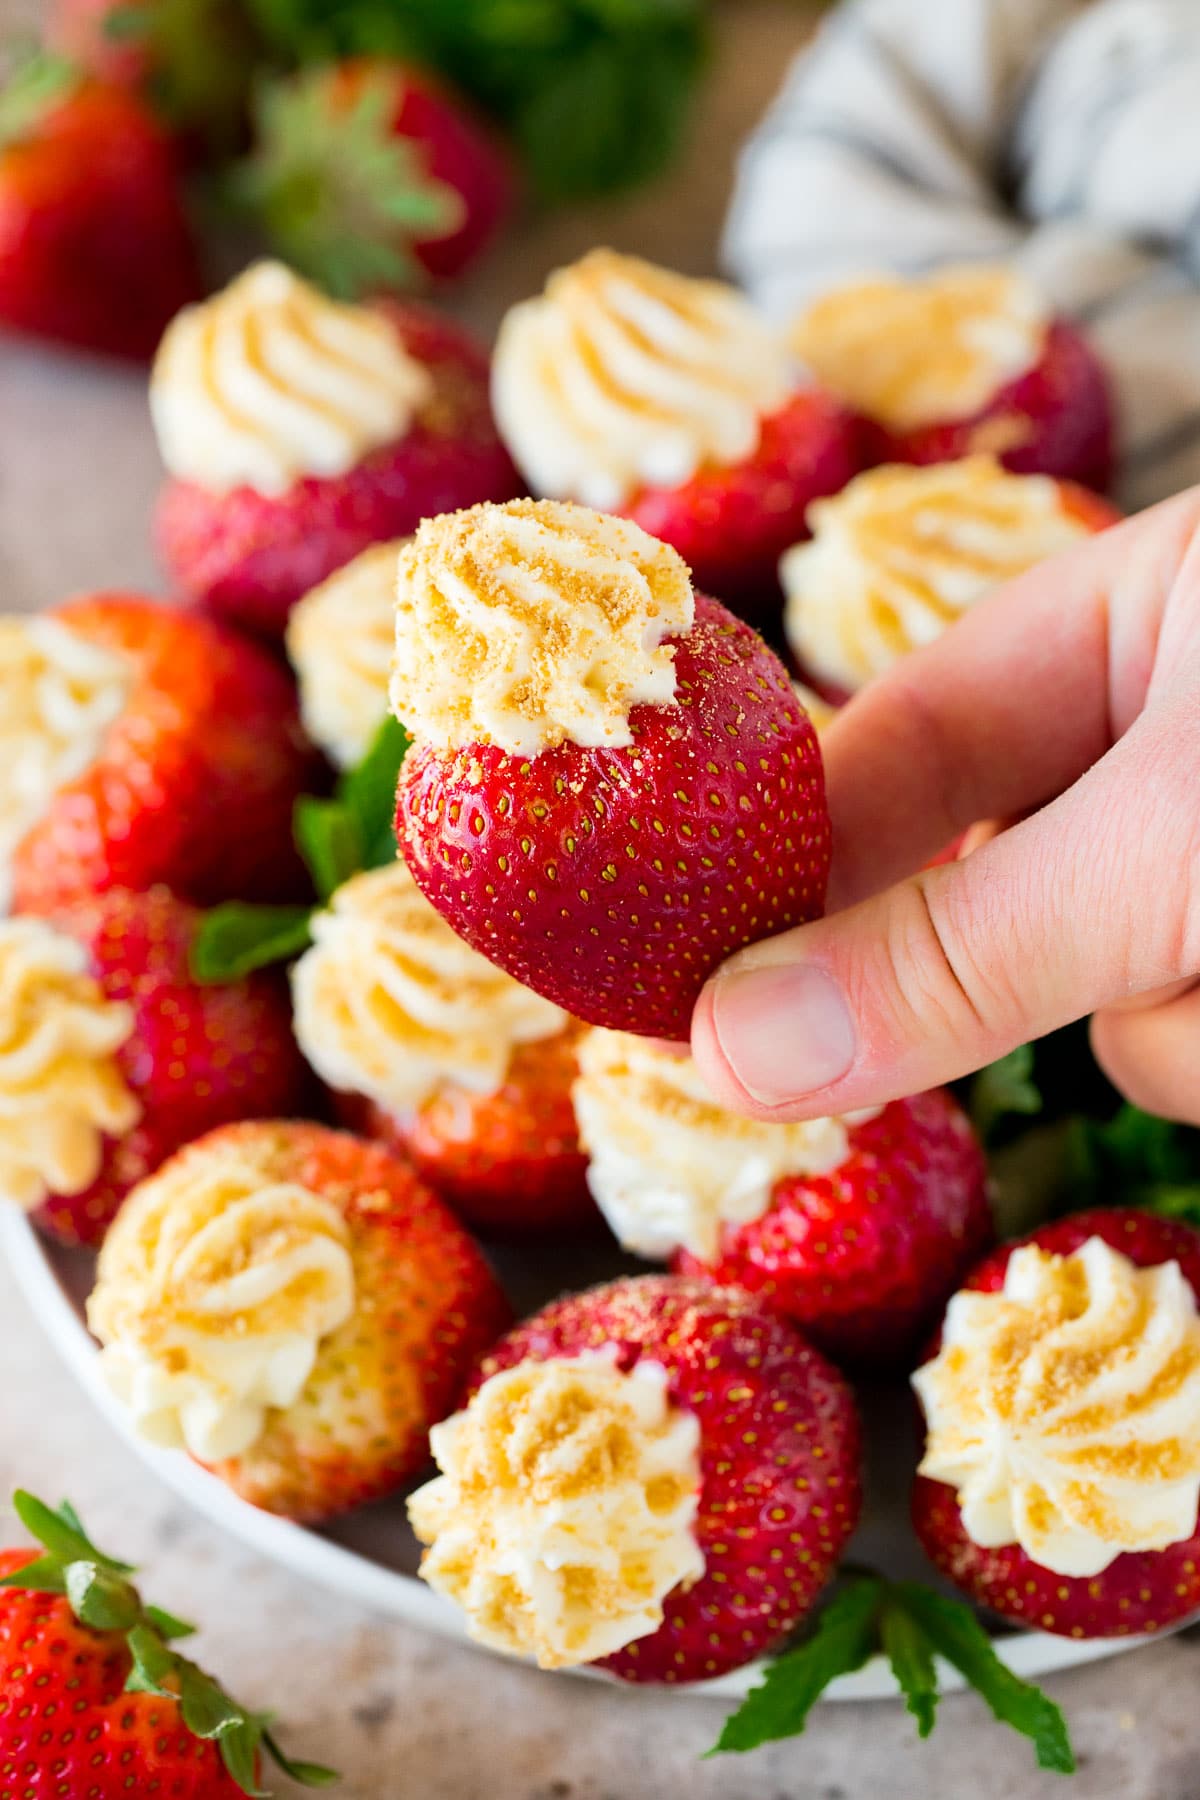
1008,708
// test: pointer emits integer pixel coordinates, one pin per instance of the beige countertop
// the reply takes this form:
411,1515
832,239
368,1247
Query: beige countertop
400,1714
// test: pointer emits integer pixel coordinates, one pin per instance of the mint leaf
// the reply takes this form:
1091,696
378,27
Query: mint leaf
369,792
845,1637
1134,1159
911,1655
956,1634
237,938
1004,1088
328,838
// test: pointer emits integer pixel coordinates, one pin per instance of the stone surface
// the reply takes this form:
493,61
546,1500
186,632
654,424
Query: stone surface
399,1713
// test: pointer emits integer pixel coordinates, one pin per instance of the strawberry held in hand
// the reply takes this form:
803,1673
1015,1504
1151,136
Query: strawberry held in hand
856,1228
965,360
297,431
612,785
95,250
1061,1477
138,745
446,1056
96,1701
642,392
656,1475
111,1056
293,1306
368,175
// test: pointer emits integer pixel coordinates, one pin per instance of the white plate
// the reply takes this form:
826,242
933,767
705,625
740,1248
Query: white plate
371,1556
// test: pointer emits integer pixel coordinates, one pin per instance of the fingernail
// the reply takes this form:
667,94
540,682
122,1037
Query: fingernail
785,1030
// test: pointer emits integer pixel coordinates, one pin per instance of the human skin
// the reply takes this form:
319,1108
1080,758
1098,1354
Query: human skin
1069,701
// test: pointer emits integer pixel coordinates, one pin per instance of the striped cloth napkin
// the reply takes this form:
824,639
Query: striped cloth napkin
1065,139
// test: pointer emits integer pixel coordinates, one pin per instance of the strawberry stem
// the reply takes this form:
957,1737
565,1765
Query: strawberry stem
38,84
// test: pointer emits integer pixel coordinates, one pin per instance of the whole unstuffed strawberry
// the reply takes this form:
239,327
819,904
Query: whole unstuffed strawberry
294,1307
642,392
95,250
657,1476
964,360
96,1700
138,745
368,175
903,552
443,1055
112,1057
856,1228
298,431
1061,1476
612,785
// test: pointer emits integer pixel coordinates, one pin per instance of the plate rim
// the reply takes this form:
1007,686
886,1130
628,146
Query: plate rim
390,1592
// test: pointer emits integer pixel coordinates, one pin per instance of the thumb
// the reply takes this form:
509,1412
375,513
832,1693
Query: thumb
1076,908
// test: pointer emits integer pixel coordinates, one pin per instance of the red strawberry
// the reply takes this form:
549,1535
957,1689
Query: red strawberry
368,175
423,1305
776,1474
248,556
731,525
864,1257
508,1161
195,781
193,1057
611,880
95,250
95,1701
1138,1591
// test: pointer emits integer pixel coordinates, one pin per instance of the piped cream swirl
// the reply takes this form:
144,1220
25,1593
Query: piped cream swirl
924,352
1065,1409
669,1166
390,1002
217,1286
270,381
61,1087
339,640
902,552
622,375
526,624
564,1512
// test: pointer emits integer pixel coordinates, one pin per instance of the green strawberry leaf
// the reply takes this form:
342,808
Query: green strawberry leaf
153,1663
955,1633
98,1598
44,1575
845,1637
1135,1159
1004,1088
237,938
61,1533
167,1625
308,1774
910,1653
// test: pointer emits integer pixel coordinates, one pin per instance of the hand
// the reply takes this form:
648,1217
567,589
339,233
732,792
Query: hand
1071,696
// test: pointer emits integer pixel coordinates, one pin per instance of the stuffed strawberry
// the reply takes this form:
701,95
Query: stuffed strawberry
141,745
445,1056
856,1228
298,430
612,785
369,175
964,360
111,1056
642,392
294,1307
902,552
1061,1476
96,1701
339,643
657,1476
95,250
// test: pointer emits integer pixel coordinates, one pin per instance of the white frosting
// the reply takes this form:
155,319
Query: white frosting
526,624
902,552
565,1510
1065,1409
924,352
339,639
217,1286
390,1002
669,1166
270,381
61,1089
59,696
623,376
